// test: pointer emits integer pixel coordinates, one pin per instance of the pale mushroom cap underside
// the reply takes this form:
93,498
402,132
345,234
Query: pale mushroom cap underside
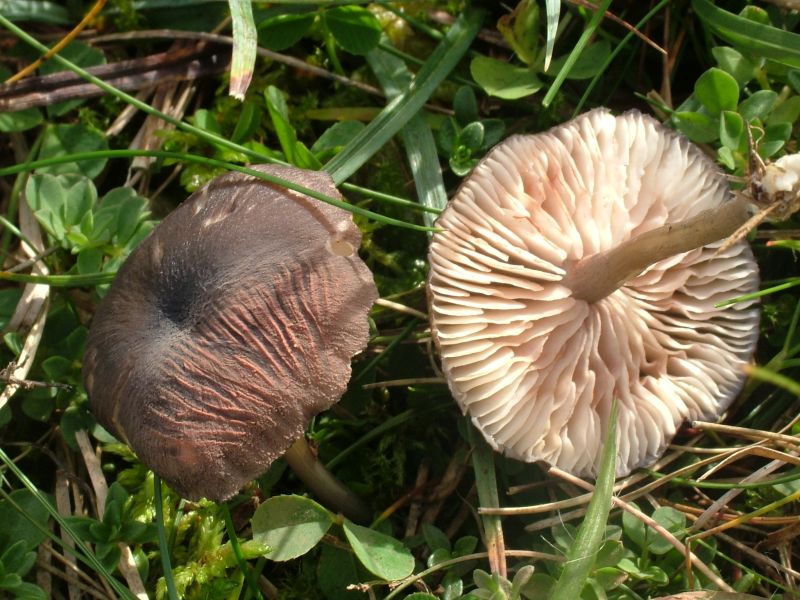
536,369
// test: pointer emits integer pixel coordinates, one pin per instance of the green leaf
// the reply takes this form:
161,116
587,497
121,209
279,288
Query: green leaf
337,569
60,202
40,11
520,28
502,80
734,63
610,553
285,30
726,157
752,37
581,555
421,596
759,105
794,79
635,529
472,136
465,105
698,127
438,556
248,122
435,538
205,120
465,545
74,419
381,555
731,131
18,559
775,136
244,49
787,111
29,591
355,28
335,137
20,120
56,367
539,586
279,113
290,526
62,140
717,91
673,521
521,578
17,527
10,581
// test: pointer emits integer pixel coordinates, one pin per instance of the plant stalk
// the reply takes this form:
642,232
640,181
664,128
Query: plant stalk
597,276
331,492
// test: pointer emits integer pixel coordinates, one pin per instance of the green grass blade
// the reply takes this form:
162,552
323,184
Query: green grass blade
752,37
486,485
172,593
553,9
400,110
776,379
760,293
78,280
244,46
600,11
581,555
237,552
416,135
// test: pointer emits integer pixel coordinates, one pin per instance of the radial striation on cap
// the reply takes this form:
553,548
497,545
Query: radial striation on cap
228,329
535,368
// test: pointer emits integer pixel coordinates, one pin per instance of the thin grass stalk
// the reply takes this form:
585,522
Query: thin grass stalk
237,552
172,592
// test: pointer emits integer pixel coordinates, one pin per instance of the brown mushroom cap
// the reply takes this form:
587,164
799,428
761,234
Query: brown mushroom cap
228,329
538,369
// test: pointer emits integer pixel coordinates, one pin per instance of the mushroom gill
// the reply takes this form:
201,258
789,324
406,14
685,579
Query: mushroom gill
536,365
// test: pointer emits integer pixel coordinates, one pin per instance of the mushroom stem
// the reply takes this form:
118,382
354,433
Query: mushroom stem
323,484
597,276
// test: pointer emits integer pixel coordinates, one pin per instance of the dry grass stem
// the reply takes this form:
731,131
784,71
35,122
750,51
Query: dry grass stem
402,308
750,434
30,314
404,382
127,566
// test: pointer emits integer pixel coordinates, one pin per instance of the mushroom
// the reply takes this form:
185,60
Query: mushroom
228,329
584,264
